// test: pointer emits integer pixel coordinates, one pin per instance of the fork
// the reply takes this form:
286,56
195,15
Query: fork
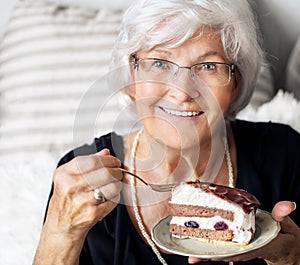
155,187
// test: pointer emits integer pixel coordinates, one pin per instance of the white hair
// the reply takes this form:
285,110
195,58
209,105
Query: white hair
182,20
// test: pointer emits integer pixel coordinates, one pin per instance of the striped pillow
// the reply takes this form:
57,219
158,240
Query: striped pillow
50,57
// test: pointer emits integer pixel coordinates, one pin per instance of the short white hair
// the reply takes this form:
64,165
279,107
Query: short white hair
181,20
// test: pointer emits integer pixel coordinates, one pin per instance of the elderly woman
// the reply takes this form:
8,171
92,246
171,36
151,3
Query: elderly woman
188,67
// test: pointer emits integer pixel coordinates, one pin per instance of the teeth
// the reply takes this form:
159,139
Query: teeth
182,113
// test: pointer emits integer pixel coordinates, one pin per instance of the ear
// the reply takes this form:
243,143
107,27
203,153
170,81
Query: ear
235,92
130,91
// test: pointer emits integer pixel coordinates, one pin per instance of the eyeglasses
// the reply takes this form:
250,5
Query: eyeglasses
211,73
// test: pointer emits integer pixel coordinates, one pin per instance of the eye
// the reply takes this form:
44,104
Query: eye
209,66
161,64
205,67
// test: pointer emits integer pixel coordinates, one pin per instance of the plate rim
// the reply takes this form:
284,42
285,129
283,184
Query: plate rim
205,255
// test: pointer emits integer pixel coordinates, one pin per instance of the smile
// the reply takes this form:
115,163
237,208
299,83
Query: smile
183,113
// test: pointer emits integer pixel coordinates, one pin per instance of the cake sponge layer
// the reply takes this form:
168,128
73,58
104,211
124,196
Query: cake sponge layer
192,210
225,235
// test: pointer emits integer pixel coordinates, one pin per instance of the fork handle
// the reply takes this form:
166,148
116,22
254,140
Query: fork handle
134,175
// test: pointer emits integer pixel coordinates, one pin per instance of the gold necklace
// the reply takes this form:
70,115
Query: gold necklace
134,197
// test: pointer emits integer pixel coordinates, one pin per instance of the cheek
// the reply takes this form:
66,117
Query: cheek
224,96
146,96
149,89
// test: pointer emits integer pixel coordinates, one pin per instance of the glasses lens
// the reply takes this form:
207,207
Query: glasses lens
156,69
213,74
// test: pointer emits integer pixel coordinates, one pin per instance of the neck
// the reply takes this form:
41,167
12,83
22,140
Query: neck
170,164
160,163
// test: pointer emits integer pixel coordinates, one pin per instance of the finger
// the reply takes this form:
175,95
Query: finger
101,177
86,211
193,260
111,190
105,208
104,152
95,161
280,213
283,209
86,206
67,184
85,164
295,205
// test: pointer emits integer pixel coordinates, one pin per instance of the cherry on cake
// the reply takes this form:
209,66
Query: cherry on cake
212,213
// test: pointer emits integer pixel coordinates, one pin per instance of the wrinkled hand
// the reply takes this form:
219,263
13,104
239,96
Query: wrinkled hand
73,208
284,249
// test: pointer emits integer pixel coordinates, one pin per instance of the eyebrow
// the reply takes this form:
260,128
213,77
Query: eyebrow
198,58
207,54
167,52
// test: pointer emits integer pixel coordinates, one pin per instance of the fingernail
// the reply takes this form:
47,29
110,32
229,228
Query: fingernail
295,206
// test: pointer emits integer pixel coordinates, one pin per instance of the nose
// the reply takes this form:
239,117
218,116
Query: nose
184,87
180,95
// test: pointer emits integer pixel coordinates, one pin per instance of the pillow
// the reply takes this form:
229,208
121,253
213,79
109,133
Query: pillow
283,108
24,191
293,71
50,57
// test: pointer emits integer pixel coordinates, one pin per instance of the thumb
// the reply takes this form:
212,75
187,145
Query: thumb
283,209
104,152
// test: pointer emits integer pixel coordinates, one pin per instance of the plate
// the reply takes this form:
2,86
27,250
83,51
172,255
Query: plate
266,230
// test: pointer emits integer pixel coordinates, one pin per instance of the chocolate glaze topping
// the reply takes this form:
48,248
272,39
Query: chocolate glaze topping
246,200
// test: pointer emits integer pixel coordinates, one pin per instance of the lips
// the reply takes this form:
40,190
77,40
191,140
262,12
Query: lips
182,113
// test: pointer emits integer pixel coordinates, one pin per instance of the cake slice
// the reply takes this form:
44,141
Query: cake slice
212,213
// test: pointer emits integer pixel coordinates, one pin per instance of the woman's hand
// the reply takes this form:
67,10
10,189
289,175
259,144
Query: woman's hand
284,249
73,207
73,210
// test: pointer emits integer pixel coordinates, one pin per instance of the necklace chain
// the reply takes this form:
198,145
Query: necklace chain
134,196
134,202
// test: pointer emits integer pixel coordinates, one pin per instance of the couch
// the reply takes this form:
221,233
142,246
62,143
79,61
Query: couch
52,55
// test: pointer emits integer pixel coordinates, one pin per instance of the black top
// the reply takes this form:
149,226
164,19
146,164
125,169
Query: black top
268,162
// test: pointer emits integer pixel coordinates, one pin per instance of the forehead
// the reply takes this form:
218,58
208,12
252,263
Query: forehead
204,44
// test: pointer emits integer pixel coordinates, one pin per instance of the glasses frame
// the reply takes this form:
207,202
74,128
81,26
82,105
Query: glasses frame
231,67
